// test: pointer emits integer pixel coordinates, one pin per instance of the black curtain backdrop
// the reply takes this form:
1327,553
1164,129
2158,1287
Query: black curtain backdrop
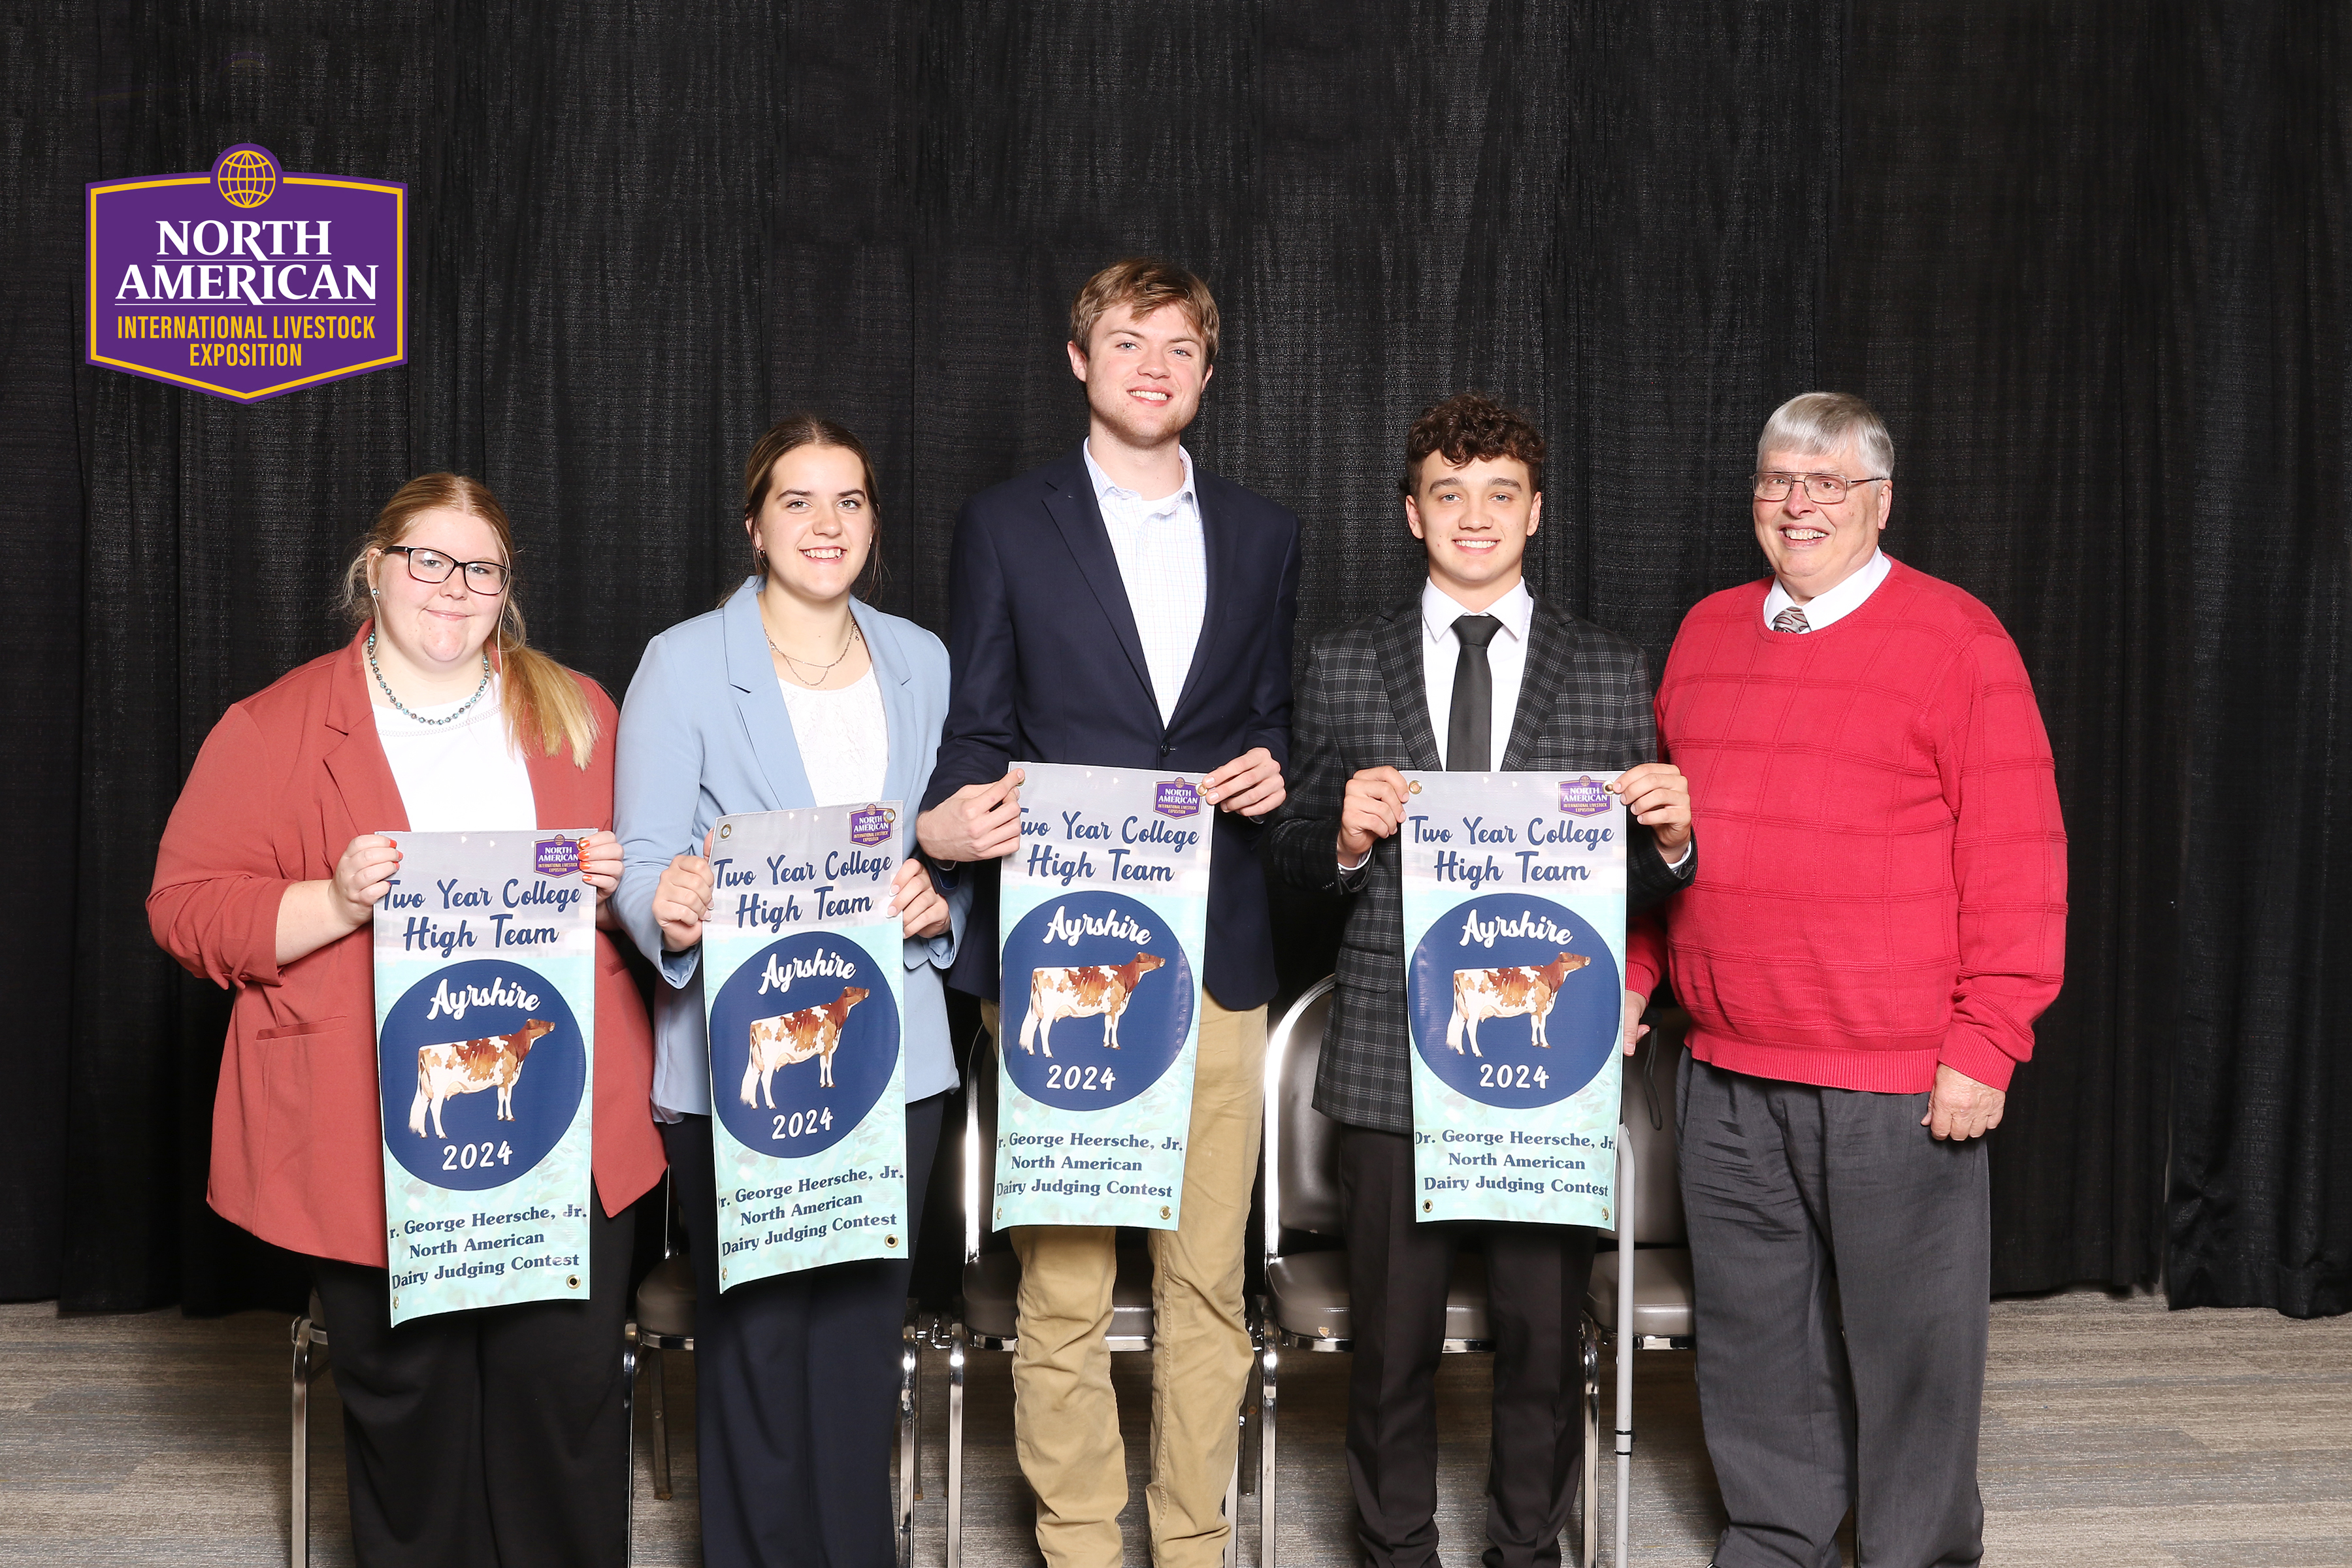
2089,258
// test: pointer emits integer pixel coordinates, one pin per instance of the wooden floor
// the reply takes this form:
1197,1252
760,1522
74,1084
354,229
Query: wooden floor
2116,1433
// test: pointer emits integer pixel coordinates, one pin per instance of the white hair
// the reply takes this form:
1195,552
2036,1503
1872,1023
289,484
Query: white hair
1822,423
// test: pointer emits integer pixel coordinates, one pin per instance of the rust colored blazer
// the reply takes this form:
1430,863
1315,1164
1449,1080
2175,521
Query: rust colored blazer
286,780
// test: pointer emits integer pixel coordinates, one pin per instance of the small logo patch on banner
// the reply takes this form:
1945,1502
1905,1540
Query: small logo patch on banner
871,825
556,857
1583,797
248,280
1177,798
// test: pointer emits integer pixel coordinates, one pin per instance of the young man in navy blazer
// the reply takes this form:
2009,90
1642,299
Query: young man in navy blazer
1119,608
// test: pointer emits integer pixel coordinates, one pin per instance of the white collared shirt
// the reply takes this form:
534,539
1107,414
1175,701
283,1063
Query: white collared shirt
1164,562
1506,660
1837,603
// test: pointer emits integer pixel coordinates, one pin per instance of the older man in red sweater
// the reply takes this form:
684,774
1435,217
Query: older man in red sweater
1880,918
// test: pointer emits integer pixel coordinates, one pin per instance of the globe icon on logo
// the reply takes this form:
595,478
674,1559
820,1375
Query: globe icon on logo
246,178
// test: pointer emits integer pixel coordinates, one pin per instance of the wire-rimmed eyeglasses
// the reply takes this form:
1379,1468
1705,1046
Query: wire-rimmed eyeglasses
431,567
1826,489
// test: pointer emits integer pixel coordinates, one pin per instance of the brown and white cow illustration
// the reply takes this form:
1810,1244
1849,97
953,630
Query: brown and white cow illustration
790,1038
468,1066
1518,992
1083,991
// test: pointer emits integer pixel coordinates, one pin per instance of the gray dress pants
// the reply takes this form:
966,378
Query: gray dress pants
1808,1206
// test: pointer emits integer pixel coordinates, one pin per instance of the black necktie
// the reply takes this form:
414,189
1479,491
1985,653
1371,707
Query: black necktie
1468,750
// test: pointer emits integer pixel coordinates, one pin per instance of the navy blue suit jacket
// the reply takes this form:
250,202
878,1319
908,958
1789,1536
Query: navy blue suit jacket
1045,666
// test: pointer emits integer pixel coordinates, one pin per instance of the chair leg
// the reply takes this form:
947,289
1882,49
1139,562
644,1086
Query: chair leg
910,1364
1234,1506
922,1338
629,1425
956,1345
297,1540
1269,1365
1591,1334
661,1429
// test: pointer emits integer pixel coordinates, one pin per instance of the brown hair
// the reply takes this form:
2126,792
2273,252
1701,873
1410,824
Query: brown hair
1143,285
796,430
1468,426
543,701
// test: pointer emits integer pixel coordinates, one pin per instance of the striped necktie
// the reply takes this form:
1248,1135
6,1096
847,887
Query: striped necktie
1791,619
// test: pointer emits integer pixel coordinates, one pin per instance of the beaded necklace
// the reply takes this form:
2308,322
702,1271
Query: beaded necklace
403,709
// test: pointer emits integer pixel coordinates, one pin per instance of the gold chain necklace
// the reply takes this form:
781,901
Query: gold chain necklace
823,670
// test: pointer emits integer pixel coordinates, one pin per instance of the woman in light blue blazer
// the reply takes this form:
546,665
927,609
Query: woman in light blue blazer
792,693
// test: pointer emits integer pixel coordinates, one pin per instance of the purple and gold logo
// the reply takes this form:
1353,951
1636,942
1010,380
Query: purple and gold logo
1583,797
556,857
249,282
871,825
1177,798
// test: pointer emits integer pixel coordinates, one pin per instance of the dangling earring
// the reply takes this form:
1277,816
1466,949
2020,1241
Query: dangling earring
763,563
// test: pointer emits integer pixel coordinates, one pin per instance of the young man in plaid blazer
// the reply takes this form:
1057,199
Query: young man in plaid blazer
1511,684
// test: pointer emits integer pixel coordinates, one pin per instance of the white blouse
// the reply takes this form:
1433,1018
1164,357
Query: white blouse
458,778
844,740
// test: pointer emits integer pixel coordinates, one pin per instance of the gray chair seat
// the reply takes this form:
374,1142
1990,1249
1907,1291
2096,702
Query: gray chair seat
1308,1294
991,1284
666,1300
1662,1293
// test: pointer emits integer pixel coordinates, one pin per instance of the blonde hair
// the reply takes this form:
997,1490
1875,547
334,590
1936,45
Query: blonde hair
543,701
1143,285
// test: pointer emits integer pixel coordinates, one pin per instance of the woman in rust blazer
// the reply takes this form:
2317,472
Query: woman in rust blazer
492,1438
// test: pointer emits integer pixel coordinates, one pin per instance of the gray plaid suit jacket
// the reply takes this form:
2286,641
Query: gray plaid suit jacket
1584,704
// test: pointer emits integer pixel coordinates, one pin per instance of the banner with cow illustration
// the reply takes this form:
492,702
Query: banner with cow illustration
486,1047
1104,906
1514,938
803,978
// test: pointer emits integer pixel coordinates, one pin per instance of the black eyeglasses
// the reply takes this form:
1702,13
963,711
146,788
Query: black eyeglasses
1826,489
432,566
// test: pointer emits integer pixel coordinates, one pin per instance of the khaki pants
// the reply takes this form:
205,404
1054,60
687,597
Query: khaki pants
1065,1416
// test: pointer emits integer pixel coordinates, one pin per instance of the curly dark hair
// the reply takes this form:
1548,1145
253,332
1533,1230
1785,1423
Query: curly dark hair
1469,426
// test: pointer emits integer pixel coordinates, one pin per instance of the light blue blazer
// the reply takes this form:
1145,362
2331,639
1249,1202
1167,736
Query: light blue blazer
705,733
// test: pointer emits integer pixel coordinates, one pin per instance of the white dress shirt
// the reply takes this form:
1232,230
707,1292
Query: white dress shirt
463,777
1164,562
1506,662
843,738
1837,603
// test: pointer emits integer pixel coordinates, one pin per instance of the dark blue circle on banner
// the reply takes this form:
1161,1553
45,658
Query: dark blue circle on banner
826,1026
489,1089
1082,970
1495,974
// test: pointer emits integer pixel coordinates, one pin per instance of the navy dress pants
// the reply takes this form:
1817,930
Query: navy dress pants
796,1383
491,1438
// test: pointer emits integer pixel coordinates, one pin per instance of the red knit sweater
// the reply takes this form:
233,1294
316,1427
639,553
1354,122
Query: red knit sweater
1882,873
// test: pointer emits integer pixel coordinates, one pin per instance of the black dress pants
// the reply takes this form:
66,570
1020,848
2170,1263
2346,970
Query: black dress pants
491,1438
796,1383
1398,1269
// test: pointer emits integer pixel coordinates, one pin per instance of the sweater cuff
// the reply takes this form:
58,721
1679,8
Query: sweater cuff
1966,1050
1641,976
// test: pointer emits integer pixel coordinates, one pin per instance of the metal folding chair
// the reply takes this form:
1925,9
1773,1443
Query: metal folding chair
1641,1297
